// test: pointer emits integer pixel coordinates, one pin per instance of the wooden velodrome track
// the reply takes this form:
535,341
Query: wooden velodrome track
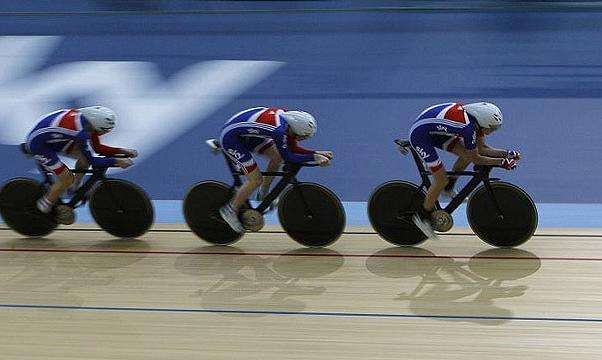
80,294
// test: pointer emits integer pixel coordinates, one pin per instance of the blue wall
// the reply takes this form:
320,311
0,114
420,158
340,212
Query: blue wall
365,75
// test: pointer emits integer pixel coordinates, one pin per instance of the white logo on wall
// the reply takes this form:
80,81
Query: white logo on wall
152,111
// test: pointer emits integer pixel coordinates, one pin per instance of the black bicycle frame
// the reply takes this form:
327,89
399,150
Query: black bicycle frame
481,174
80,196
288,175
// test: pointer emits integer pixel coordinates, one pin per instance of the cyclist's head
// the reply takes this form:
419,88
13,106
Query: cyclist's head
101,118
488,116
302,124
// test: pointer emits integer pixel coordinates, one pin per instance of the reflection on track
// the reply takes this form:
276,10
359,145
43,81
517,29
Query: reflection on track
457,286
254,282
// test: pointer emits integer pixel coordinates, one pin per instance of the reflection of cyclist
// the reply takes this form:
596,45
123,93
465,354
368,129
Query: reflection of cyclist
270,132
72,132
459,129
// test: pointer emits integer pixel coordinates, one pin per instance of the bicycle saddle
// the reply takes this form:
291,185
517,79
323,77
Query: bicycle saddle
25,149
214,145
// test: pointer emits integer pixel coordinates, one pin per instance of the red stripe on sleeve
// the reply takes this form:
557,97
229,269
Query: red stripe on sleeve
295,148
103,149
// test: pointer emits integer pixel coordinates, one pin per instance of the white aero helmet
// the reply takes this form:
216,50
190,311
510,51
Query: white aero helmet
301,123
101,118
488,115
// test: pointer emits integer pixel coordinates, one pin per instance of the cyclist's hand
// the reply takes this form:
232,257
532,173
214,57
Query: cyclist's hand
123,163
513,154
321,159
509,164
328,154
130,153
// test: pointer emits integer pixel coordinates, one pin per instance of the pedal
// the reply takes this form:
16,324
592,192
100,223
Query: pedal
64,214
442,221
252,220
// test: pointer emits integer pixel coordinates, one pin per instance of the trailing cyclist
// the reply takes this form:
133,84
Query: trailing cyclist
73,133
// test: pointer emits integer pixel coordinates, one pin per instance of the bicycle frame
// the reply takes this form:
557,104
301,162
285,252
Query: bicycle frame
80,196
481,175
288,175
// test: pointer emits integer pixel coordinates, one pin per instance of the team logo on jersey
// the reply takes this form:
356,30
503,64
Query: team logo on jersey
253,131
421,152
237,155
442,128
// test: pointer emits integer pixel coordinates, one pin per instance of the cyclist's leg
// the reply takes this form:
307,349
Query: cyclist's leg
81,164
48,159
274,165
237,152
456,146
422,143
243,193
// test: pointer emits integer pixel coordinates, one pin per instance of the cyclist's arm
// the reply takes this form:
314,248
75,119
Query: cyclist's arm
487,150
478,159
294,147
280,139
83,142
103,149
472,152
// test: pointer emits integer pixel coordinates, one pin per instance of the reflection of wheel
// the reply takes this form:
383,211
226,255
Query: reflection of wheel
390,210
517,221
311,214
403,262
121,208
18,199
201,210
504,264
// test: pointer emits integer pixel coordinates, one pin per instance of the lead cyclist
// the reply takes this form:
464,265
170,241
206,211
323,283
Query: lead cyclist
461,130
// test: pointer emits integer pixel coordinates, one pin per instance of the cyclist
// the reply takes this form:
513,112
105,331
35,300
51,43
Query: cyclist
271,132
72,132
461,130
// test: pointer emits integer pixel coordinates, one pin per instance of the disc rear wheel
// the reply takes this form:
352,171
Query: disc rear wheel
201,211
18,199
390,210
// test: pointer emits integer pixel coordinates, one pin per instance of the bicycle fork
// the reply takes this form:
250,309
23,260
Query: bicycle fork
500,214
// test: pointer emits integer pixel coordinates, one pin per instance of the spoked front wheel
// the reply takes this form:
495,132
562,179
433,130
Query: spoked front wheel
18,199
390,210
201,211
121,208
311,214
511,223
